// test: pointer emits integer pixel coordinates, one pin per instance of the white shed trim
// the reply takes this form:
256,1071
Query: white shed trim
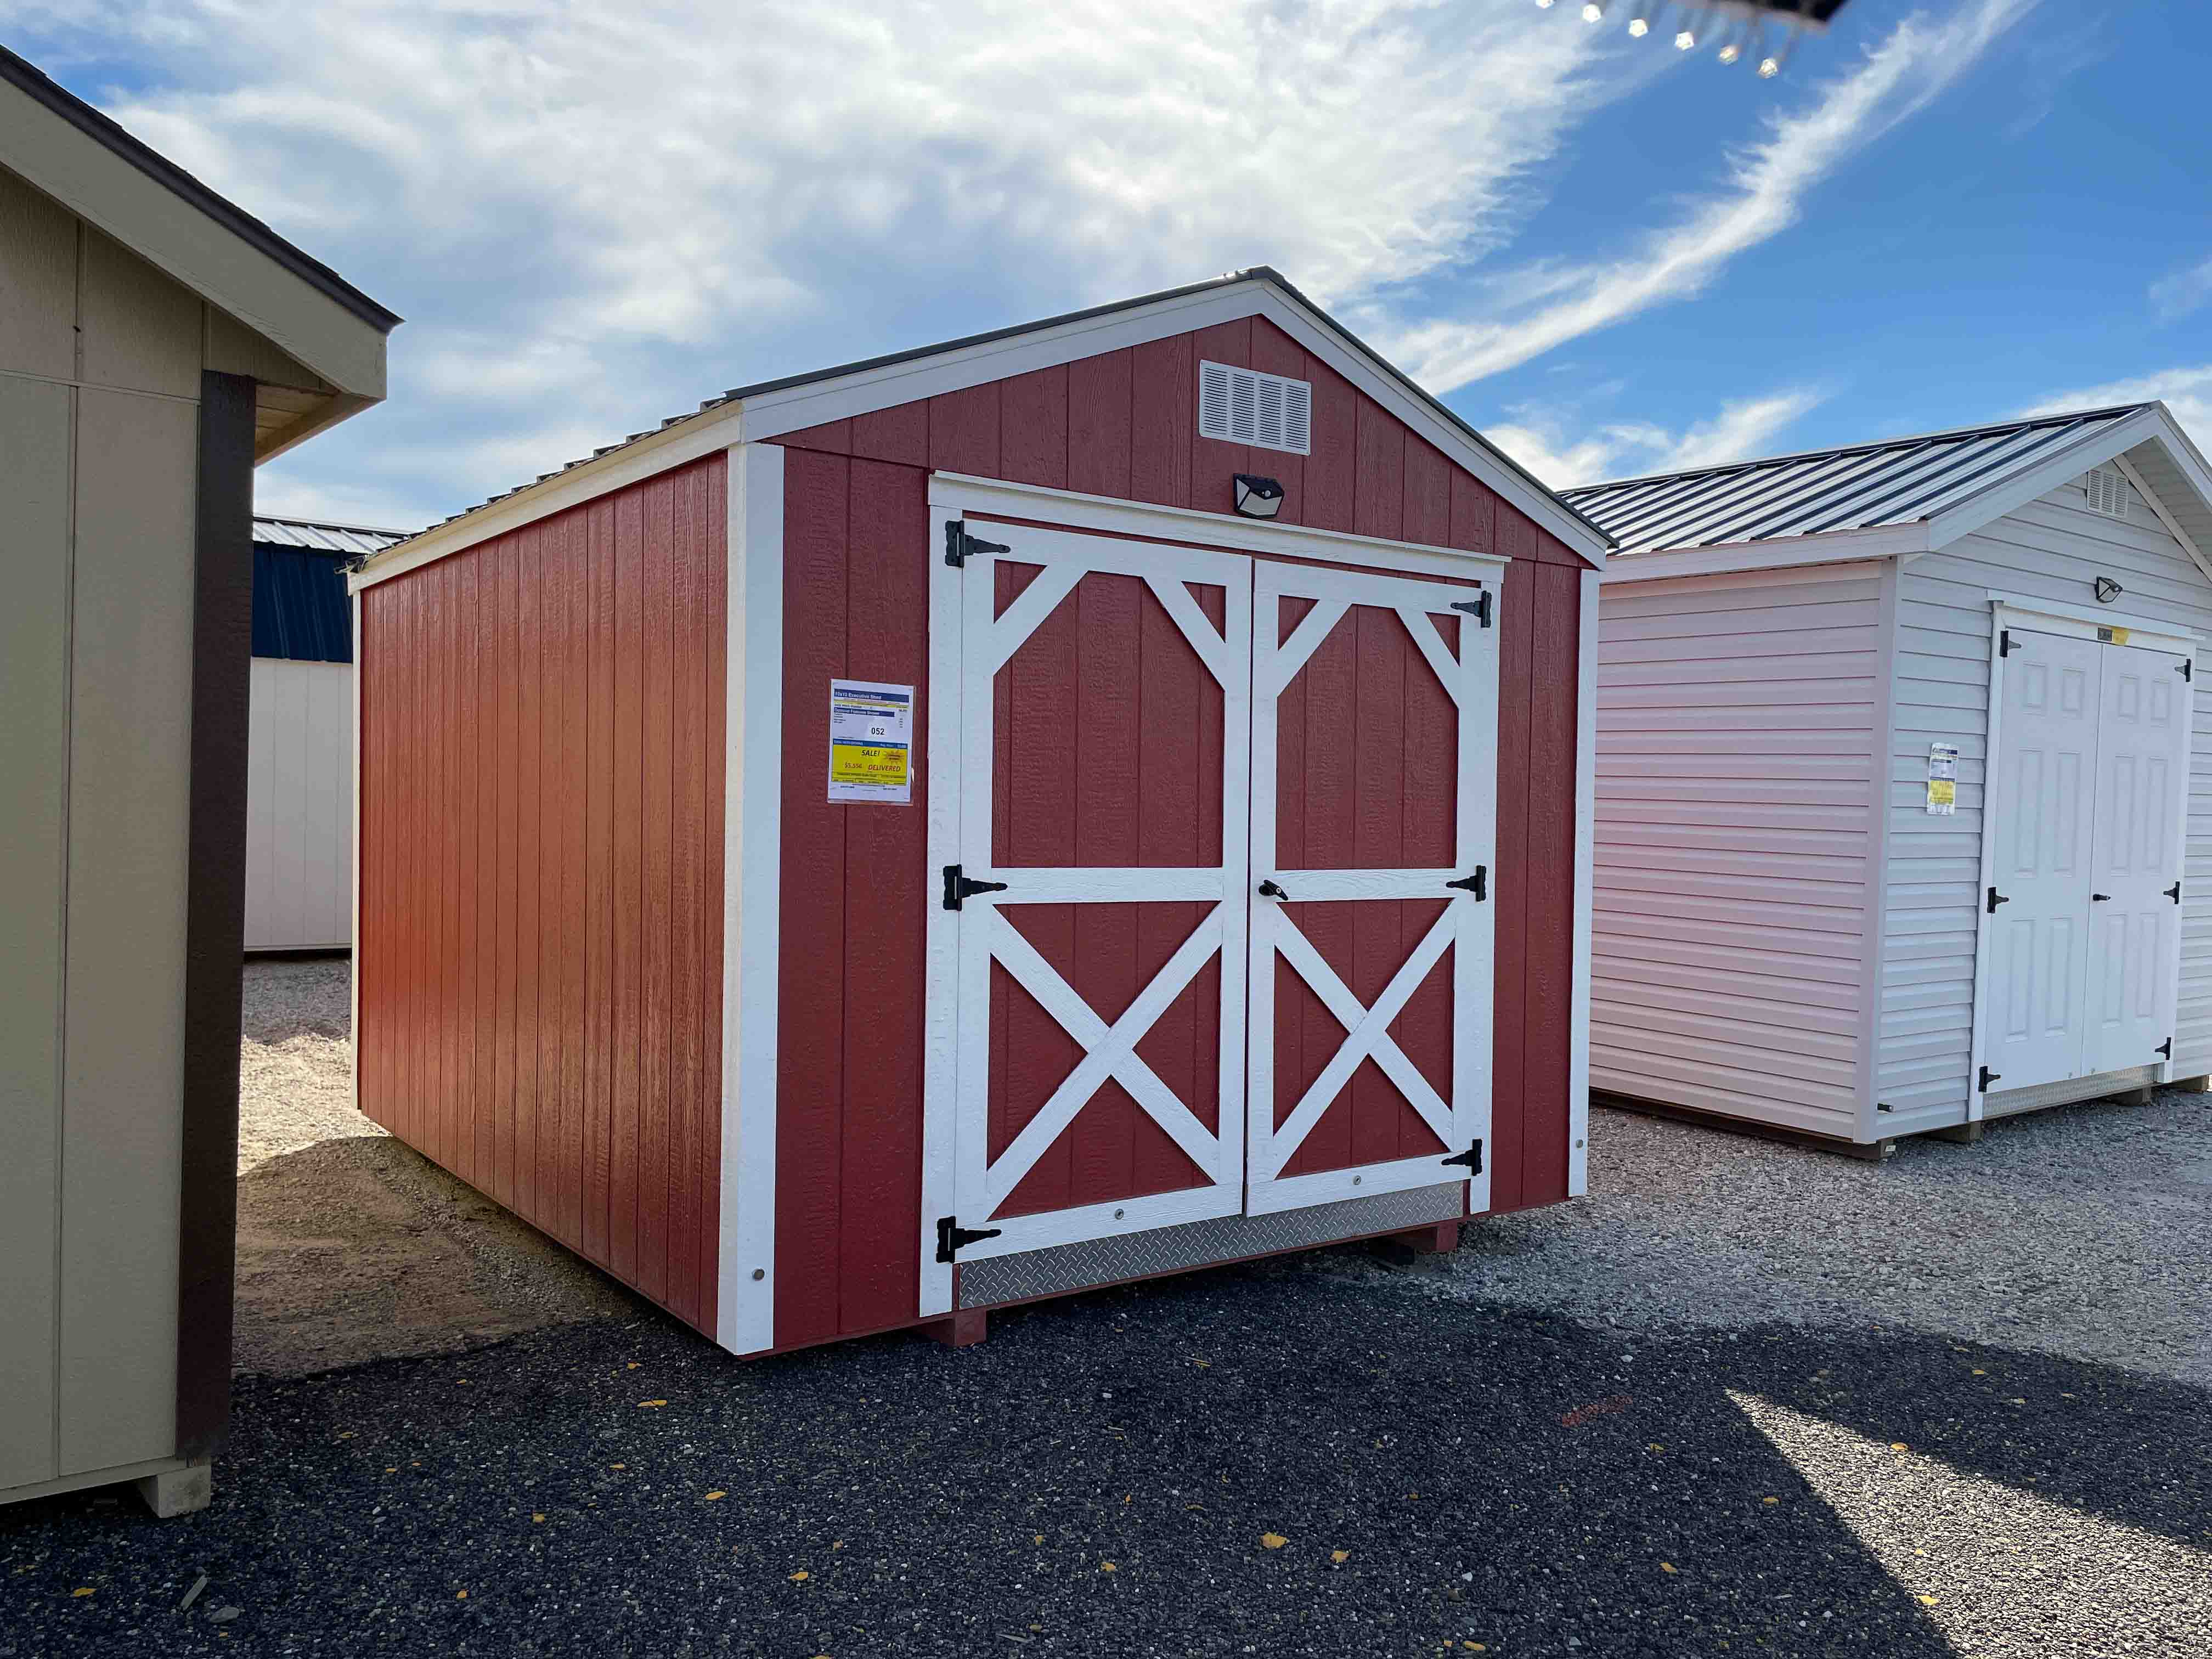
1901,541
1578,1041
2157,633
752,883
1113,516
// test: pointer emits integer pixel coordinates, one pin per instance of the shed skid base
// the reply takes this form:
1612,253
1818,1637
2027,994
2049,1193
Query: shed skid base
1442,1239
178,1492
1873,1151
964,1329
1964,1134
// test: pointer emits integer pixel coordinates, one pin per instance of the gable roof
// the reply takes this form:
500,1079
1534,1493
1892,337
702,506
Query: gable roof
768,409
1899,494
81,159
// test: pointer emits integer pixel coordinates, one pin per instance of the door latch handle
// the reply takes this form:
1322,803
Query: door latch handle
1272,889
2099,898
1996,899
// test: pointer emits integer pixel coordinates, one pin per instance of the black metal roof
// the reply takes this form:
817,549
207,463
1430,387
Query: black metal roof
1252,273
300,605
33,81
1868,486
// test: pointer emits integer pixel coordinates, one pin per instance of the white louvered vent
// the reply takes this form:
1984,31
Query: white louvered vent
1244,406
2108,491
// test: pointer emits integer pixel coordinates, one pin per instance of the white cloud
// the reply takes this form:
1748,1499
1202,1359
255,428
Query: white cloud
2186,391
1532,310
2175,297
599,215
1564,451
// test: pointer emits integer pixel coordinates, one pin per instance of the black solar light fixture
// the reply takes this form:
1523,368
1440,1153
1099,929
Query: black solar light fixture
1258,498
2107,589
1739,29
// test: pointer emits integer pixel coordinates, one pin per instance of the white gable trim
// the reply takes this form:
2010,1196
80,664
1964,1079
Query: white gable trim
815,403
145,216
2196,555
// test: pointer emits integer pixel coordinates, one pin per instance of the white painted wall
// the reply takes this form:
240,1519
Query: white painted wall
1739,717
2051,549
298,835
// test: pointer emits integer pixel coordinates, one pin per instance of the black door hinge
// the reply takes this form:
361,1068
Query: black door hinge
2004,641
1472,1157
958,544
1477,608
2165,1050
958,887
2186,668
2174,892
1988,1078
1996,899
1477,884
1883,1106
952,1238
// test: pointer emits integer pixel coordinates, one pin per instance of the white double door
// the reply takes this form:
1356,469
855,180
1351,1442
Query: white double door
1131,729
2085,810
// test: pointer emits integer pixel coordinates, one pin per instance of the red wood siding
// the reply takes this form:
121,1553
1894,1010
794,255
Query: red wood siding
540,953
1122,424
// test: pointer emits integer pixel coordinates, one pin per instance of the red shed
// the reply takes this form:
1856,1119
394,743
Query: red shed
908,839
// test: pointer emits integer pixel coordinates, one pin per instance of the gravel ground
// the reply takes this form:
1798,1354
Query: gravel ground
1744,1398
2084,1231
352,1246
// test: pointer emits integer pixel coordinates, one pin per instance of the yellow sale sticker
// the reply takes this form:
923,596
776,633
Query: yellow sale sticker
870,742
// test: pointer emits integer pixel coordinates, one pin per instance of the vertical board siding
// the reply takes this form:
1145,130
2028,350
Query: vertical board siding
2051,549
1738,718
299,837
542,763
1123,424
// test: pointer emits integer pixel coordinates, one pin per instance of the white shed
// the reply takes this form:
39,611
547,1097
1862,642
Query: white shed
299,773
1896,752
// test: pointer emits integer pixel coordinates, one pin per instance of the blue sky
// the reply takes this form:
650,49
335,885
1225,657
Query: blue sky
1613,256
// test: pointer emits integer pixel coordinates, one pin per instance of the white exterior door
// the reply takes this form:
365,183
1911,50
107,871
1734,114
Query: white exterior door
2039,808
2136,863
1374,773
1100,886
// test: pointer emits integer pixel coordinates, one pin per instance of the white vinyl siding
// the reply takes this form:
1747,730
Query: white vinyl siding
2051,549
1738,718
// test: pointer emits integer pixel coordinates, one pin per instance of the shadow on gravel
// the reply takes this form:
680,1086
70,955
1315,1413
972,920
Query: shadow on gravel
1102,1478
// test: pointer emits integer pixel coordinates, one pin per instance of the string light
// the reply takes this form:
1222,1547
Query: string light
1738,27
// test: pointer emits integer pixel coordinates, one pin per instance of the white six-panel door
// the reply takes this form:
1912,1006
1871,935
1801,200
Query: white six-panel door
2084,814
2135,860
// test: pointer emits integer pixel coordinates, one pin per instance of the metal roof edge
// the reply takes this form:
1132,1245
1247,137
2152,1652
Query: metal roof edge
34,83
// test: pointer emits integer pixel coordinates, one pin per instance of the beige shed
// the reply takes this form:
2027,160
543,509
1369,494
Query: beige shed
156,343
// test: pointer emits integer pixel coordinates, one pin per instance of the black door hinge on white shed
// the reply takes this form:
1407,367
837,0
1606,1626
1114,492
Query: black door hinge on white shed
1476,884
1996,898
2165,1050
1472,1157
1477,608
958,887
2174,892
958,544
2004,641
2186,668
1988,1077
952,1238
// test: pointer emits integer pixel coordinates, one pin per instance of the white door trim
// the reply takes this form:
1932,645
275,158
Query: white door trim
1465,925
2082,622
752,897
963,493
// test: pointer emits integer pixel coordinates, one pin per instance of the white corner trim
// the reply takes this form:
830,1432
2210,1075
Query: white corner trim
353,939
676,445
1875,954
2157,633
2172,527
940,1071
1992,737
1782,553
961,493
1578,1129
752,880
